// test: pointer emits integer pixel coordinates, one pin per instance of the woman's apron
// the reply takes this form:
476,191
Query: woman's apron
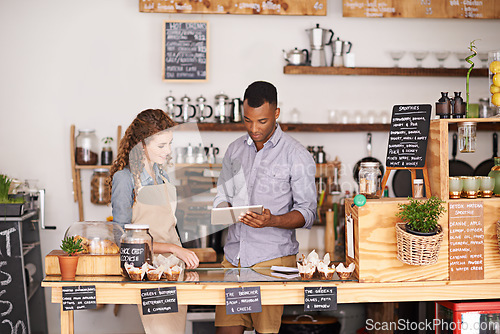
155,206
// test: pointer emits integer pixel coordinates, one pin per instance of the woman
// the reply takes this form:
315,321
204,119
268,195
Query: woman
141,194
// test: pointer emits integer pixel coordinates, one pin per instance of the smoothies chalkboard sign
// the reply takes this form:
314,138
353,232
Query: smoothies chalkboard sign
408,136
185,51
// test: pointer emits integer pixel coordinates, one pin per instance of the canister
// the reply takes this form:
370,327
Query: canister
369,176
136,246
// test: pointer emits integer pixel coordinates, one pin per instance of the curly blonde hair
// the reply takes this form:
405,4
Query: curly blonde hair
147,123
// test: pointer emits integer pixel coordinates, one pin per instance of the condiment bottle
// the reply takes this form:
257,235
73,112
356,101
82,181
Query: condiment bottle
443,106
320,155
100,192
418,188
86,147
459,107
369,175
136,246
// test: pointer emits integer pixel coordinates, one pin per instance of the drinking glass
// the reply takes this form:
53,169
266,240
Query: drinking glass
487,186
441,57
396,56
419,56
456,186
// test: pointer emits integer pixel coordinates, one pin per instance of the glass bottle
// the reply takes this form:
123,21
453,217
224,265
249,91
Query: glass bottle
459,107
495,173
467,137
136,246
443,106
100,192
320,155
369,176
86,147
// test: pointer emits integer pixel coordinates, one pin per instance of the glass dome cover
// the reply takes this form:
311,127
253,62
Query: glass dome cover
98,237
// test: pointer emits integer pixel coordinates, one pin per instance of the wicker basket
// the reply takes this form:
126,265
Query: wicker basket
418,250
498,234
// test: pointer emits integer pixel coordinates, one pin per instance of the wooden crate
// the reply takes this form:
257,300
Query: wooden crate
375,247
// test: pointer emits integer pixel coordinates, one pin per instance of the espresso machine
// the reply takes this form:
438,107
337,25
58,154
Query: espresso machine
318,38
339,49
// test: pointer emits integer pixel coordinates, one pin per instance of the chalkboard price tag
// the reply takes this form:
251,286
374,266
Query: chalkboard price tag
185,50
159,300
243,300
78,298
408,136
320,299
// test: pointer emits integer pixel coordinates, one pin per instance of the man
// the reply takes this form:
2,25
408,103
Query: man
266,167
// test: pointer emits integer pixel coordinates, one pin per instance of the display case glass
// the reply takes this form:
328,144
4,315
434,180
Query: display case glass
98,237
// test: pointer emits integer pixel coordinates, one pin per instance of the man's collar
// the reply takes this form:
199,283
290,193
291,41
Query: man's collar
275,138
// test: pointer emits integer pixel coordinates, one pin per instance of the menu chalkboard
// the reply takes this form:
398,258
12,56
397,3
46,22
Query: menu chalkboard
78,298
243,300
408,136
466,235
185,50
457,9
159,300
13,299
320,299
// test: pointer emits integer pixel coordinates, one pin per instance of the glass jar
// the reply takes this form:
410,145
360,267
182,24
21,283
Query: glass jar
418,188
494,80
136,246
467,137
100,192
86,147
107,152
369,179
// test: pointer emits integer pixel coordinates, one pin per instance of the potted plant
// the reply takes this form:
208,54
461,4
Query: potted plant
68,262
9,206
419,236
421,216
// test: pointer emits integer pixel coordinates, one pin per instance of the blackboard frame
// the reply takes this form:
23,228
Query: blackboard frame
164,50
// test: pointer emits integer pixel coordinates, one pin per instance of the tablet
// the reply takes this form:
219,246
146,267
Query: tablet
230,215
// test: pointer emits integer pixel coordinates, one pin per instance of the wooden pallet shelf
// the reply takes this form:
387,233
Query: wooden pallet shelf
386,71
300,127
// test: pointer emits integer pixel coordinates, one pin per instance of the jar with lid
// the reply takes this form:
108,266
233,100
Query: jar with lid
467,137
369,179
136,246
86,147
100,192
418,188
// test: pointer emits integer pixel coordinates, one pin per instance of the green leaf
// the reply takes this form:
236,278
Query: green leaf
71,245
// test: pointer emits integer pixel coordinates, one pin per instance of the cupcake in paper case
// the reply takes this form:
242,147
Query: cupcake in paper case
136,273
173,273
343,272
155,274
306,271
325,272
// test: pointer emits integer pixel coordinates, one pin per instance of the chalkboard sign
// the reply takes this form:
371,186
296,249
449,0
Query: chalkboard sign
442,9
13,299
408,136
243,300
320,299
466,235
185,51
78,298
160,300
134,254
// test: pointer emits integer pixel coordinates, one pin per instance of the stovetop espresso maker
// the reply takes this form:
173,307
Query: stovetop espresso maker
318,38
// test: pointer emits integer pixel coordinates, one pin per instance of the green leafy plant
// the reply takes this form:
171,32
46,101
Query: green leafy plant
107,140
422,215
71,245
4,187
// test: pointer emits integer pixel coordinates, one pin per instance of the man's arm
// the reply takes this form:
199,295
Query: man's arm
290,220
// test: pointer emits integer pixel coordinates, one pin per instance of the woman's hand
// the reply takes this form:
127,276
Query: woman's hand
189,257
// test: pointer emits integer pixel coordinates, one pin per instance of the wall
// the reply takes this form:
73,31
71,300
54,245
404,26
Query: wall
98,63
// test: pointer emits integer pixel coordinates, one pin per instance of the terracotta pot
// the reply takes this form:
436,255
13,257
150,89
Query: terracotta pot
68,264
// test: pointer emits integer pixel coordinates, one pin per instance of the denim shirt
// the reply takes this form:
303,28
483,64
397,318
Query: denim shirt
280,177
122,194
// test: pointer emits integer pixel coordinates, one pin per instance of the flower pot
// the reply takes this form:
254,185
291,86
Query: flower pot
68,265
410,230
417,250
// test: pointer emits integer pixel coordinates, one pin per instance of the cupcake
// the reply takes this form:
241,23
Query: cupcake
155,274
343,272
173,273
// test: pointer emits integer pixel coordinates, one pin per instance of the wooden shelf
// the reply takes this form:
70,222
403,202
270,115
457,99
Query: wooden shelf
387,71
300,127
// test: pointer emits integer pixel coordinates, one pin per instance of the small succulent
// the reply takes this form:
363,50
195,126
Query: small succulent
72,245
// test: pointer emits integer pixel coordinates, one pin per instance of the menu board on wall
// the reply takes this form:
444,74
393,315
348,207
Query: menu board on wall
185,51
466,235
439,9
408,136
249,7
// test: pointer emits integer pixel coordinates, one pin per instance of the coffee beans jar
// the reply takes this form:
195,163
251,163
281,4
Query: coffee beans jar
136,246
100,192
86,147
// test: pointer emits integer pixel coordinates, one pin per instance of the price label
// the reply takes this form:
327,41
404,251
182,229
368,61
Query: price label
320,299
243,300
78,298
160,300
